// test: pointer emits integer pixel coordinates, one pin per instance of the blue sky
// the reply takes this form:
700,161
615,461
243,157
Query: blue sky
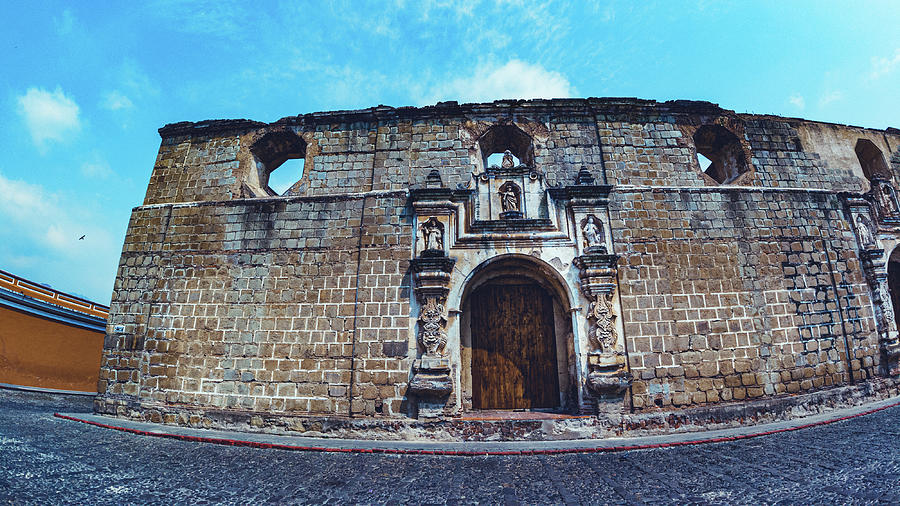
85,85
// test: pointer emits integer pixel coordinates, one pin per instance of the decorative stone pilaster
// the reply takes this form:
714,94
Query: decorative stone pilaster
873,263
607,372
431,383
876,274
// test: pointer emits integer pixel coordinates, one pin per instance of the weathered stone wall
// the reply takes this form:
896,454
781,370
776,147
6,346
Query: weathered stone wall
263,305
731,294
230,298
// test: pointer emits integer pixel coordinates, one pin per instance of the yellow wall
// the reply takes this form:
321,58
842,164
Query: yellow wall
44,353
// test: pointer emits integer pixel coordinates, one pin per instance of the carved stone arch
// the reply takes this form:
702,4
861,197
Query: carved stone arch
270,149
541,290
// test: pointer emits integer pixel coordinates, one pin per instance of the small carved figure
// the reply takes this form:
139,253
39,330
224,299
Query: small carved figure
888,200
509,197
593,233
864,230
432,234
507,162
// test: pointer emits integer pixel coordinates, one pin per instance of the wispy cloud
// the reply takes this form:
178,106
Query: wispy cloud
514,79
97,168
884,65
830,97
116,100
797,100
49,116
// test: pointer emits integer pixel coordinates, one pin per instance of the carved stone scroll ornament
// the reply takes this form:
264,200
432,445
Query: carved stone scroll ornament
603,327
608,375
432,323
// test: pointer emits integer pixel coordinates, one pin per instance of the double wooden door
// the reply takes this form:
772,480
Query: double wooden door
513,348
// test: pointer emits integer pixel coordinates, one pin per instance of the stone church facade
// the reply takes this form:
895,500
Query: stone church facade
571,256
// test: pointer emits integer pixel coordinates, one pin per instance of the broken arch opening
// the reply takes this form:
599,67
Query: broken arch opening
280,161
516,340
871,160
501,138
722,150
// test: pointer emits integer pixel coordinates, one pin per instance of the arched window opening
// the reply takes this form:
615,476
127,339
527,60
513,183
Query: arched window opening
280,160
871,160
719,153
502,138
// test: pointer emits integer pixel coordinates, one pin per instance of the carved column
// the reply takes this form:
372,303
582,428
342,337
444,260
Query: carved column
431,382
607,372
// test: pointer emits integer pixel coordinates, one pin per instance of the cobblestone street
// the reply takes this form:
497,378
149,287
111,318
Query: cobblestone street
48,460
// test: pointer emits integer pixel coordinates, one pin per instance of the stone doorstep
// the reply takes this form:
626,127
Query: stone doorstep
475,448
523,426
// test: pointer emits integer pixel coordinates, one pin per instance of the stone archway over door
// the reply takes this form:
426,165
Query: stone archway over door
514,363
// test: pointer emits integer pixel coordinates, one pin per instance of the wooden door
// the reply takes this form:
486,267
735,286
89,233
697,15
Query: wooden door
513,348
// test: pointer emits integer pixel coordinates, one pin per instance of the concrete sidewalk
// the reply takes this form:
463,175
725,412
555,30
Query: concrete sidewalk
235,438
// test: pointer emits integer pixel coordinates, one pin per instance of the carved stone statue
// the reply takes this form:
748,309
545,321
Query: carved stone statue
864,230
887,199
592,229
509,197
432,234
432,334
507,162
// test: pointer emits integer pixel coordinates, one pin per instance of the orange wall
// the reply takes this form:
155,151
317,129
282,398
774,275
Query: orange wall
43,353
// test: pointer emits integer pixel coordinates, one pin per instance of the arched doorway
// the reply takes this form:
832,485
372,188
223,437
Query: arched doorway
516,338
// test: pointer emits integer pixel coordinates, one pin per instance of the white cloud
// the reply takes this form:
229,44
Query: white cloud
797,100
41,228
515,79
882,66
50,116
116,100
831,96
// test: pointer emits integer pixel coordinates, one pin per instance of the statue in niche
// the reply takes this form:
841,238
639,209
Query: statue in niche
432,234
864,230
509,197
887,199
592,230
507,162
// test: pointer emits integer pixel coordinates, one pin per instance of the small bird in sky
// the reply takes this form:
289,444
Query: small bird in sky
81,238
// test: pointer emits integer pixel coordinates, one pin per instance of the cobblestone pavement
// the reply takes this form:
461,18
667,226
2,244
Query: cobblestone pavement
48,460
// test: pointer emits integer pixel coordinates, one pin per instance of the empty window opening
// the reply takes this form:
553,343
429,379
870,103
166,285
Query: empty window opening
288,173
726,158
280,160
871,160
501,138
496,160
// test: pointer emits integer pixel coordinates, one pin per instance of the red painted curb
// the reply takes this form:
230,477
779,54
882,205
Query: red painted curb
464,453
